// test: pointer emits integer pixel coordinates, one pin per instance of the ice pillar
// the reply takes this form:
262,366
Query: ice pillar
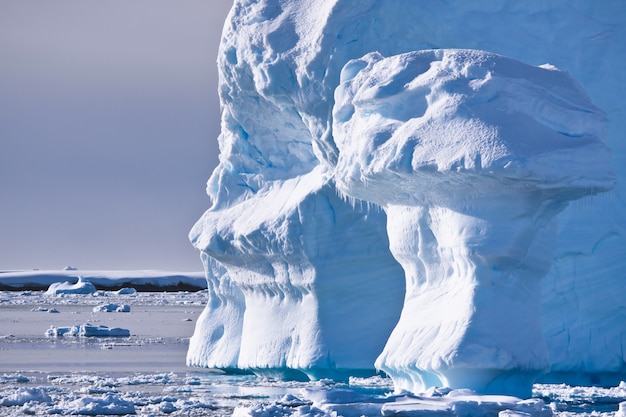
472,155
471,316
305,288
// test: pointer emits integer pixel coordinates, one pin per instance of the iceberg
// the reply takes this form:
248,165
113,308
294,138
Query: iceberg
81,286
112,308
472,155
281,302
87,330
411,188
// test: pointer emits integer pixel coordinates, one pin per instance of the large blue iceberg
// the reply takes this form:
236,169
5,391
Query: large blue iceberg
427,189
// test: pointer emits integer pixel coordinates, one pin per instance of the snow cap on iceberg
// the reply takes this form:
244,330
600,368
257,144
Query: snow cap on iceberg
425,124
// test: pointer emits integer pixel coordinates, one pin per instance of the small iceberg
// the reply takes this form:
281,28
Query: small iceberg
82,286
112,308
87,330
126,291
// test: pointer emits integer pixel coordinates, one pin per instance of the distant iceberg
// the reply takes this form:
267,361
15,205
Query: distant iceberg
112,308
472,155
81,286
412,189
87,330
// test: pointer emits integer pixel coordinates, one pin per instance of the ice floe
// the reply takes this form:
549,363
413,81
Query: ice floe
87,330
112,307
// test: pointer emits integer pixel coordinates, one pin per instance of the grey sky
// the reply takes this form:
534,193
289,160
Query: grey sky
109,118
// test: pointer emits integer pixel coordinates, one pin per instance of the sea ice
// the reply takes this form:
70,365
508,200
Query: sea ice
112,307
347,402
47,310
107,404
22,396
118,381
87,330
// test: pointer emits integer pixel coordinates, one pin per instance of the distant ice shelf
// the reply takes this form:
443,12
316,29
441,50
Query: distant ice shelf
144,280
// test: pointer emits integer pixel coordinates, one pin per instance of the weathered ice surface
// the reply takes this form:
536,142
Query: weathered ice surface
297,278
472,155
365,144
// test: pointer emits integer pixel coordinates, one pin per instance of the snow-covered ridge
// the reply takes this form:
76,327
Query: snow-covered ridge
415,181
140,280
430,125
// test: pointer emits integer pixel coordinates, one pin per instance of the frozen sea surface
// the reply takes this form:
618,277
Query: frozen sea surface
145,373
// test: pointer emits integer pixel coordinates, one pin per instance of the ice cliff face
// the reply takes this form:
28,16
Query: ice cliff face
378,201
291,281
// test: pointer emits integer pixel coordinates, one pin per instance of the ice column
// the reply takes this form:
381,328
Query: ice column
471,316
472,155
301,285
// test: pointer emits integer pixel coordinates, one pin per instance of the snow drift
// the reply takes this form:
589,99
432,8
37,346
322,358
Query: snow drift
367,143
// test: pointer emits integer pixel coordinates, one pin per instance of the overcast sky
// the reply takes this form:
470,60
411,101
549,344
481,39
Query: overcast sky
109,119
